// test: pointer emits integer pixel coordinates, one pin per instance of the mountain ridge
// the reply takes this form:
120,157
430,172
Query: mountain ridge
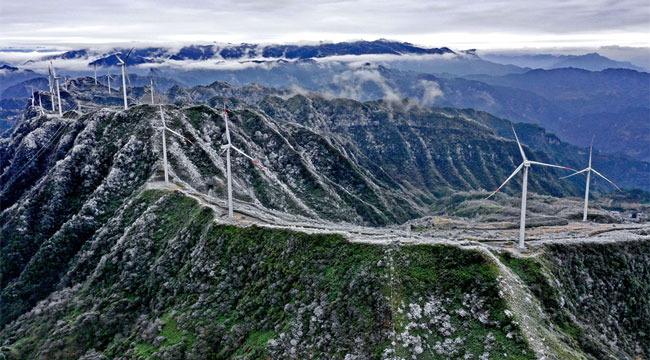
100,259
589,61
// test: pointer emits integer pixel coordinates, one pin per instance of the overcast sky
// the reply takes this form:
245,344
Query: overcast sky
457,24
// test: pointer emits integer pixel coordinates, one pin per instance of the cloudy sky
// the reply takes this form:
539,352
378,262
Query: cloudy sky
488,24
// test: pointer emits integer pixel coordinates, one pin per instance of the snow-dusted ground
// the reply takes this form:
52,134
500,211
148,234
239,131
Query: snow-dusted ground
452,231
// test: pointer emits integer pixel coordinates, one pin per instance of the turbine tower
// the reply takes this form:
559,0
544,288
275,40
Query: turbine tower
524,187
588,170
109,78
152,91
95,66
227,148
50,79
164,141
125,74
32,97
58,92
40,103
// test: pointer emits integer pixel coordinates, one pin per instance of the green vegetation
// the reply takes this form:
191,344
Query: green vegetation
531,272
176,283
599,291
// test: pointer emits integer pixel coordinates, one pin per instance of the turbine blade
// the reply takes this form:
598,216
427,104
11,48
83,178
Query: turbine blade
127,55
118,58
128,78
177,134
591,147
575,173
608,180
521,149
225,116
508,179
162,117
243,153
555,166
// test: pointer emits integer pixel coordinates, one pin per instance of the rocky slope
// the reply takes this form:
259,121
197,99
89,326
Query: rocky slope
297,106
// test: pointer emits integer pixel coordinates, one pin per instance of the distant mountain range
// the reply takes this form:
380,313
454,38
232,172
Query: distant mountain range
612,105
253,51
10,75
561,100
590,61
400,55
448,61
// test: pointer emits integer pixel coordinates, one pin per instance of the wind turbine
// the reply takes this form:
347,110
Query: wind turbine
524,187
50,79
227,148
109,77
95,66
40,103
125,74
164,141
32,97
152,91
58,92
589,169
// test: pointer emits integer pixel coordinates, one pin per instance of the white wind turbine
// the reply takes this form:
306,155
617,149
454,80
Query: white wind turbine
588,170
125,75
50,79
58,92
152,92
164,141
524,187
109,78
227,148
40,104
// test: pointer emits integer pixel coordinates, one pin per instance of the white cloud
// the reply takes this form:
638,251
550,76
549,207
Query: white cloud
431,92
351,83
515,23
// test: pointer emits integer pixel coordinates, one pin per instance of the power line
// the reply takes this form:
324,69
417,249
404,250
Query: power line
58,132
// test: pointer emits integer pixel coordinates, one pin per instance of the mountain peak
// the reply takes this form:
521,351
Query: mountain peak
9,68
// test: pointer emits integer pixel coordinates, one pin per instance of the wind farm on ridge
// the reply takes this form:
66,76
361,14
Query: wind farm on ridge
525,165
